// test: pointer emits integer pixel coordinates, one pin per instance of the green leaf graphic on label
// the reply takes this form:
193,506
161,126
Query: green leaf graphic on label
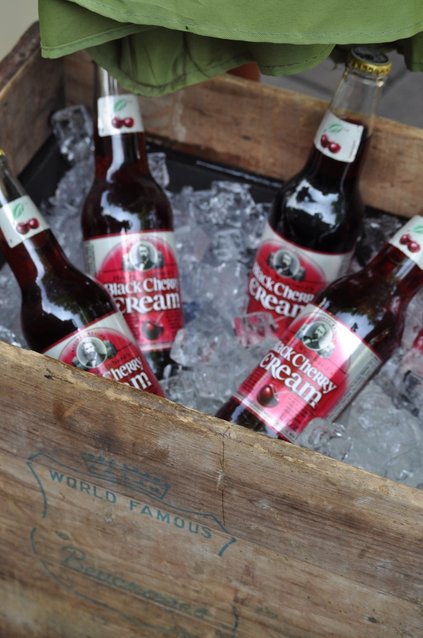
18,210
418,229
119,105
335,128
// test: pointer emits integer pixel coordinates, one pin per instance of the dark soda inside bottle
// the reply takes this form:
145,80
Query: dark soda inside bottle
127,225
64,313
316,217
57,299
321,208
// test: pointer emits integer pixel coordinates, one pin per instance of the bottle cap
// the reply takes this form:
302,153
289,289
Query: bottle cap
2,153
369,60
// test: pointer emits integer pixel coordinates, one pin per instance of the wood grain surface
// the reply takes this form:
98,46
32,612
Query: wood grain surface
269,131
31,90
125,514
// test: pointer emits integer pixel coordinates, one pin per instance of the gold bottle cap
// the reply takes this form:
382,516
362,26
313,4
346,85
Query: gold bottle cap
2,153
369,60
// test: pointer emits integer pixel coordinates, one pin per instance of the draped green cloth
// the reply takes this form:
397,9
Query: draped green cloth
156,47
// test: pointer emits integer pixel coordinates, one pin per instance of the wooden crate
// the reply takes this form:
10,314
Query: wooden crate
126,515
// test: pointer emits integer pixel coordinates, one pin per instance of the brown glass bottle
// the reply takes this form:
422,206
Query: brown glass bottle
64,313
127,226
316,217
336,344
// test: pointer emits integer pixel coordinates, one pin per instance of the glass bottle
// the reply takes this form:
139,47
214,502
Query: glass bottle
336,344
64,313
316,217
127,226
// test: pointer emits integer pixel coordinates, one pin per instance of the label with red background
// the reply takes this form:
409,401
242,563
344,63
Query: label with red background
285,277
20,220
141,273
119,114
337,138
107,348
314,371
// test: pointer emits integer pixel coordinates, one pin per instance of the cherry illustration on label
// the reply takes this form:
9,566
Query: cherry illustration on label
267,396
128,122
324,140
332,146
117,122
22,228
412,245
151,330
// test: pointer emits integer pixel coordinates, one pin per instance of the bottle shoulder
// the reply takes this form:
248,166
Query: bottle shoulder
126,186
60,301
115,206
315,216
64,279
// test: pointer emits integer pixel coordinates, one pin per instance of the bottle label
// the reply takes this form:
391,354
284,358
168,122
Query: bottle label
119,114
314,371
140,271
20,220
285,277
409,239
337,138
107,348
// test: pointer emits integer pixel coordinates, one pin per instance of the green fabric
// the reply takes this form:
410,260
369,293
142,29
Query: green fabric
154,48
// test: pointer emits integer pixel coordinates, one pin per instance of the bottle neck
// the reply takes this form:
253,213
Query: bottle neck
341,174
342,139
26,241
357,97
119,138
10,188
403,276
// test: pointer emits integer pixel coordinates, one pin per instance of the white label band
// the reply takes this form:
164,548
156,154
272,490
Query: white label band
20,220
119,114
409,239
338,139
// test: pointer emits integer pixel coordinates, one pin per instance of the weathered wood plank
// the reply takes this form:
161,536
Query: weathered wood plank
31,89
269,131
124,514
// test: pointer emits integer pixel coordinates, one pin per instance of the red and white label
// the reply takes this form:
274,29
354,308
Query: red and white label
314,371
141,273
118,114
20,220
409,239
285,277
337,138
107,348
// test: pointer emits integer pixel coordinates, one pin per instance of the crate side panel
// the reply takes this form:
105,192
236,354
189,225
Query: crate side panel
31,89
162,521
269,131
